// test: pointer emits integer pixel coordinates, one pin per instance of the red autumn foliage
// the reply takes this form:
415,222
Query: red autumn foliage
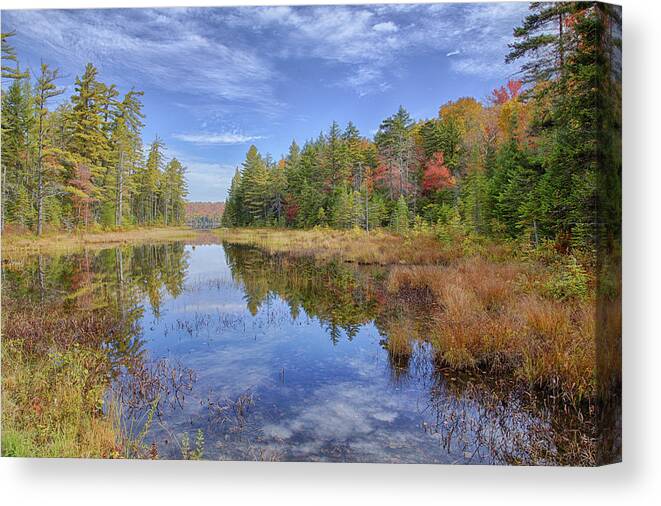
514,87
389,176
499,95
436,175
502,94
81,201
291,211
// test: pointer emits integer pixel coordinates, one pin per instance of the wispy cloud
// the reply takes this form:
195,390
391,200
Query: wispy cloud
370,41
170,49
216,138
240,54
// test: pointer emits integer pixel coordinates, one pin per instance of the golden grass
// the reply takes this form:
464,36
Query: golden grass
51,405
399,343
19,245
494,316
377,247
55,374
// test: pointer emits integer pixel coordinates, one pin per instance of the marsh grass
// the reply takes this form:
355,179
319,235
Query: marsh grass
52,404
18,245
499,318
58,369
377,247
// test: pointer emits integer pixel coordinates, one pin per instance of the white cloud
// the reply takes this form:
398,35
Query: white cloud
169,49
370,41
386,27
216,138
239,56
207,180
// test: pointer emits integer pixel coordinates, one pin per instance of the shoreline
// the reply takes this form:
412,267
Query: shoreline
19,245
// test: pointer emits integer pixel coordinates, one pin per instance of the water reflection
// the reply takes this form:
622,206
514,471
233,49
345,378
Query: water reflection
281,358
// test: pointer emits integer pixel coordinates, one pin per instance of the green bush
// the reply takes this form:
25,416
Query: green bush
570,283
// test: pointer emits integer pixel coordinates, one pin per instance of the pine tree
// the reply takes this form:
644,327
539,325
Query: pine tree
254,184
10,66
397,155
88,139
149,183
45,90
126,142
17,127
543,35
173,192
400,217
232,213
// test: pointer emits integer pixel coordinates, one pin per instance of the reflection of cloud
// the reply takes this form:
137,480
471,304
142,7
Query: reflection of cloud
226,307
339,412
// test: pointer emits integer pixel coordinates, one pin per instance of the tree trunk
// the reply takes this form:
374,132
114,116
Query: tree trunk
120,190
3,185
40,178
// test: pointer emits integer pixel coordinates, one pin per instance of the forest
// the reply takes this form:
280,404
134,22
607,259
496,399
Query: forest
80,164
538,160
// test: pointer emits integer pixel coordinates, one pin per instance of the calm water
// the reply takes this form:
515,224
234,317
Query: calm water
275,358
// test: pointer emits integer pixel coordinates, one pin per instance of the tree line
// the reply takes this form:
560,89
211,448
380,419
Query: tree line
539,159
81,163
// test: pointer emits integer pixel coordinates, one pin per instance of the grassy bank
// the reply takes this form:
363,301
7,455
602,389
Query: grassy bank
18,245
75,386
376,247
497,308
55,373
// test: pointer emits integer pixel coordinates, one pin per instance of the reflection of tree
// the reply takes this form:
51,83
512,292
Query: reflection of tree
492,420
332,292
111,283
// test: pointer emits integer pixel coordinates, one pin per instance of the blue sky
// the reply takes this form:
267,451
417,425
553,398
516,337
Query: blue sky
219,79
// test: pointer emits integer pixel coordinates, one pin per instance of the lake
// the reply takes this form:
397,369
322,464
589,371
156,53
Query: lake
281,358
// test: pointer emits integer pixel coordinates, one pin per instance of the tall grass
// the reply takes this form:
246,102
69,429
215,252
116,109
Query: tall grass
376,247
56,371
19,245
499,317
52,404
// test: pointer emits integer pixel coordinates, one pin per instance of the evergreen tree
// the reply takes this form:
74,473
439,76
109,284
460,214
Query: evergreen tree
148,198
89,140
126,145
400,217
10,66
254,187
232,213
45,90
17,127
397,153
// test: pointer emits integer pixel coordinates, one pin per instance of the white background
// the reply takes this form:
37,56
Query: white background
636,481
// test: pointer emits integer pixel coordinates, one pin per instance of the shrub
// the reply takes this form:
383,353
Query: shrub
571,283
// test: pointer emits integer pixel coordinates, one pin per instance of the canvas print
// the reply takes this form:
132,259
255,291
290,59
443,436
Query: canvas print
367,233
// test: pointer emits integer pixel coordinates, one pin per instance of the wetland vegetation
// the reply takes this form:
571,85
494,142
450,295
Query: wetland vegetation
228,351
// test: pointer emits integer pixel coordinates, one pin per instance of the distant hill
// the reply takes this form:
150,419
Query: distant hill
204,214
